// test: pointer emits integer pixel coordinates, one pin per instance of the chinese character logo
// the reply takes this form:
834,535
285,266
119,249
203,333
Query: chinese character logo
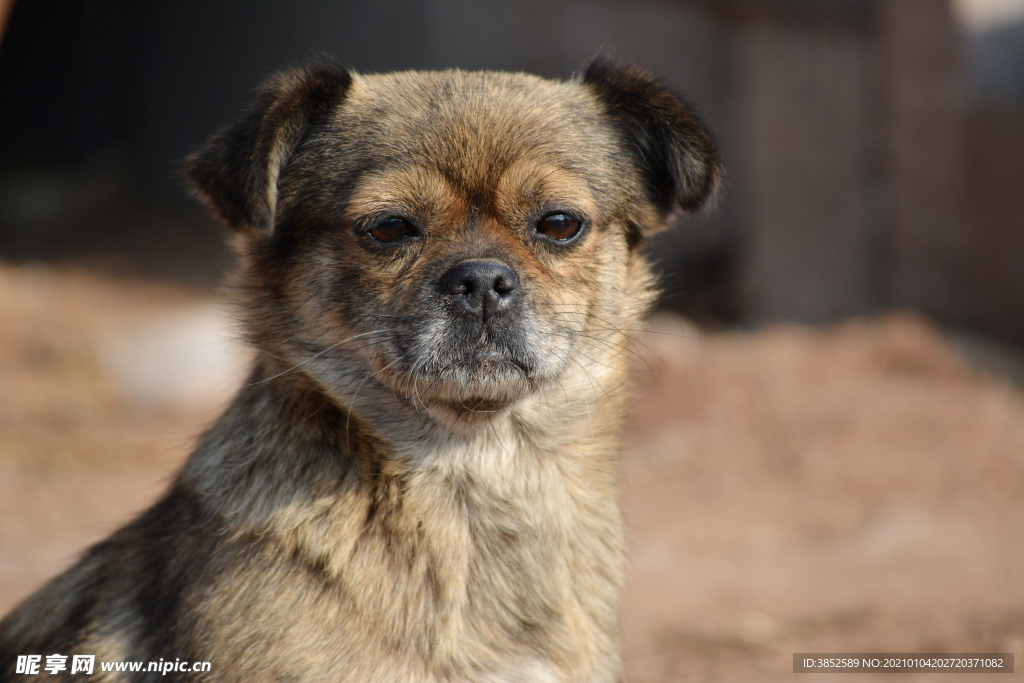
82,663
56,663
28,664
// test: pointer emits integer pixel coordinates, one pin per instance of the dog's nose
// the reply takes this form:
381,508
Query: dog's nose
481,287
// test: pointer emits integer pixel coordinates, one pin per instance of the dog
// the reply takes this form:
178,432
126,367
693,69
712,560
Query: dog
418,480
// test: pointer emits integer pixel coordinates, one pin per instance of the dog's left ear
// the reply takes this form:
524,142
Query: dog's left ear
672,148
236,173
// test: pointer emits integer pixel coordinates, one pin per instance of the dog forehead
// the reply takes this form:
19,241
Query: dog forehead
469,123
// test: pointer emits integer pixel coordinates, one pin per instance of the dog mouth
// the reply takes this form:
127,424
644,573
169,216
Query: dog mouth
481,366
486,360
483,378
481,383
472,366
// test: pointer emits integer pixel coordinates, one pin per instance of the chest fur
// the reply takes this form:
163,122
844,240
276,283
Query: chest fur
481,559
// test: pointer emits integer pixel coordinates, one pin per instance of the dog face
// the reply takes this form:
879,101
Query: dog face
450,236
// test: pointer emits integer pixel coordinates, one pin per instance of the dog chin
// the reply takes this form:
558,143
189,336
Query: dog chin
475,387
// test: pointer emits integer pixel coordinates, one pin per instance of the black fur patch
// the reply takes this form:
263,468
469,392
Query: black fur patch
236,172
673,149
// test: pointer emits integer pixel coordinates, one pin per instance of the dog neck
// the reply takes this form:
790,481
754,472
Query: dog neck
484,531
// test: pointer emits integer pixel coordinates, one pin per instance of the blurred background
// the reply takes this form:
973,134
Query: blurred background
829,451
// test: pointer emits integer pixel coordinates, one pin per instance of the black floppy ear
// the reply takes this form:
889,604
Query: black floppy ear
674,151
236,172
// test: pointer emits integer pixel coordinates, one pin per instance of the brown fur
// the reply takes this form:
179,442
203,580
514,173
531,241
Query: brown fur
402,493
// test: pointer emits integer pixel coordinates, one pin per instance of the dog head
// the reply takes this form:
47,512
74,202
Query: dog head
454,238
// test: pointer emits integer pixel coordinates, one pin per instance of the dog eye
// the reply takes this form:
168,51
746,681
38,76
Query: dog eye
559,227
392,230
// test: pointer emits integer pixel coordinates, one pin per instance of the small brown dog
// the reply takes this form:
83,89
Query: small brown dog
418,481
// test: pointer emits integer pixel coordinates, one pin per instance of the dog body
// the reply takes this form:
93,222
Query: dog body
439,272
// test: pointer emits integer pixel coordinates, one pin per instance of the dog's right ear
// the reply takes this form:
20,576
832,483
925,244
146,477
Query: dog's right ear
236,172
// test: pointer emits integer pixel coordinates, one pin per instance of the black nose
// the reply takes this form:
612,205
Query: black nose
481,287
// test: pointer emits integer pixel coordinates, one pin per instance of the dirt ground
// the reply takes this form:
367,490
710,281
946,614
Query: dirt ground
855,488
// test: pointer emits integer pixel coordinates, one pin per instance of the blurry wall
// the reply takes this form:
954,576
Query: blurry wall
873,148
